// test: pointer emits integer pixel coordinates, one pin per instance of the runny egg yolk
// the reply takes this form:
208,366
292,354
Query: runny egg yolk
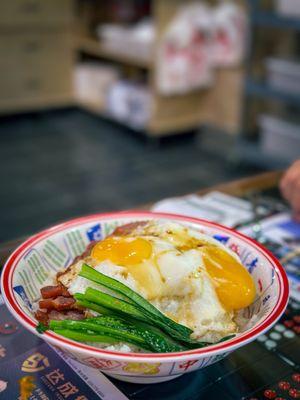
234,285
122,251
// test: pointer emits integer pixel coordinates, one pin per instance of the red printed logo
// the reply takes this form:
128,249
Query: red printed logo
235,248
186,365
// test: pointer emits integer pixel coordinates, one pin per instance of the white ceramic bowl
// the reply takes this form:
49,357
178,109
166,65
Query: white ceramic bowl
28,267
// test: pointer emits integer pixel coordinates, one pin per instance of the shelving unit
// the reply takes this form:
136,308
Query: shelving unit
263,90
95,109
270,19
257,89
180,113
94,48
44,42
170,114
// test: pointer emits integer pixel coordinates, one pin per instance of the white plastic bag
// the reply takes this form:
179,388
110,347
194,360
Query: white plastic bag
229,34
184,56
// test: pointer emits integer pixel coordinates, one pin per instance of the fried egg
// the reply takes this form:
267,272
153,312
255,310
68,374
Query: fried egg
190,277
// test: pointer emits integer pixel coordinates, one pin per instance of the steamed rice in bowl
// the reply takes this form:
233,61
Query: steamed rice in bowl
188,276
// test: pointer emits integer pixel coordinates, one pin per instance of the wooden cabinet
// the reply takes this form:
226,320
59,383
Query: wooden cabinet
37,13
36,54
35,47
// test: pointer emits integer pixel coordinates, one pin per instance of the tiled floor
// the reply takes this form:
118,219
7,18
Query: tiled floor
62,164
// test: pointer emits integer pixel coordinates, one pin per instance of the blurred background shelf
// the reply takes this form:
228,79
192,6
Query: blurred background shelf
36,103
265,91
91,106
270,128
251,152
273,20
93,47
34,36
156,127
96,109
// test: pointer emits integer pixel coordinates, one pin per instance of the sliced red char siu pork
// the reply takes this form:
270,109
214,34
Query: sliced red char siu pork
57,303
127,229
48,292
45,316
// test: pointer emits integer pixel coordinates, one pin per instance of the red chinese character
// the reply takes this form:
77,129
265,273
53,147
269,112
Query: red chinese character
55,376
187,365
288,323
284,385
296,329
296,378
294,393
81,397
67,389
296,318
270,394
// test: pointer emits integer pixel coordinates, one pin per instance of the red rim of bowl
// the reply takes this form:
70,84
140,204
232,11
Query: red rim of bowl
230,345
